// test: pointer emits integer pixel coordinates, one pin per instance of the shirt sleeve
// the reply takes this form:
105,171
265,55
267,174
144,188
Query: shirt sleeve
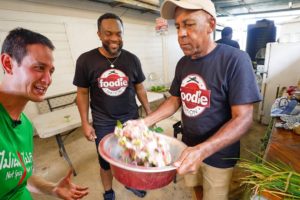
139,76
242,83
80,77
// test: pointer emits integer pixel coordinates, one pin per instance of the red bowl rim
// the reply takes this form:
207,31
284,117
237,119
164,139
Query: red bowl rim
131,167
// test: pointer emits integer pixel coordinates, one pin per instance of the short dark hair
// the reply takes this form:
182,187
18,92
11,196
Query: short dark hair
108,16
226,31
15,43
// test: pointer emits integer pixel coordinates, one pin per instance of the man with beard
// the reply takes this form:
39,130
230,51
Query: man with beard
27,61
111,77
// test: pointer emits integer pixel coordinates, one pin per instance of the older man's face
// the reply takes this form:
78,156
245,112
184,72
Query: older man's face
193,28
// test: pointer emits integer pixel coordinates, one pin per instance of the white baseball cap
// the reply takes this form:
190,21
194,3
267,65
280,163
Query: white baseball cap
167,9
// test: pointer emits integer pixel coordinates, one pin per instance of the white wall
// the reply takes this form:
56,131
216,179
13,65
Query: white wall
290,31
71,25
173,49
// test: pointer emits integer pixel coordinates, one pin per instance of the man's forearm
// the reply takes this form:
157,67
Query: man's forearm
37,184
142,96
83,106
166,109
228,134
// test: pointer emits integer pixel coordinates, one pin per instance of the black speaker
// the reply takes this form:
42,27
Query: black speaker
258,35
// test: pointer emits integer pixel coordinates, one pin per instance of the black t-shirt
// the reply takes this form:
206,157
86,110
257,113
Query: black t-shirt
229,42
112,92
208,87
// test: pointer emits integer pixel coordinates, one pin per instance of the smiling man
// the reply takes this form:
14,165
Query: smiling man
27,61
108,78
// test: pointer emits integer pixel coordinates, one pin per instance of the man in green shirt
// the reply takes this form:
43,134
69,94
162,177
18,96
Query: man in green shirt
27,62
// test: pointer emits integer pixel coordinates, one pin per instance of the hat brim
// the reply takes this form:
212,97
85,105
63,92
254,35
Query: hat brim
167,9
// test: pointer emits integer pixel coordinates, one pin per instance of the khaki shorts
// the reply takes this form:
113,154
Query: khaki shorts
215,181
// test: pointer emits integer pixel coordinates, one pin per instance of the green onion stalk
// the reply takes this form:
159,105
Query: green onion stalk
278,179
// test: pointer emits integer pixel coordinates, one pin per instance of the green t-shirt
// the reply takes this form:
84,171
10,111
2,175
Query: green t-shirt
16,157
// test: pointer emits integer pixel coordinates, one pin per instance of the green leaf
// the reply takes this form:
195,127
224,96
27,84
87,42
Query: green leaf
119,124
159,130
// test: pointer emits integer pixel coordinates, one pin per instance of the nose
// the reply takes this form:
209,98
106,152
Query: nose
47,77
115,38
181,31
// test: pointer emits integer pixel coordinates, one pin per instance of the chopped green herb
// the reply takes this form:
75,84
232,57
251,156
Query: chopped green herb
119,124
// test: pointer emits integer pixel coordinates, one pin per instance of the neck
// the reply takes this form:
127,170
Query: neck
210,47
107,54
13,104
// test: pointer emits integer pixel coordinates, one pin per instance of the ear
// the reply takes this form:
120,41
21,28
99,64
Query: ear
6,61
99,34
212,24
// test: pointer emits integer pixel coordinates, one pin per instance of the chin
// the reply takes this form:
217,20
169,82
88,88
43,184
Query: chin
115,52
37,98
187,53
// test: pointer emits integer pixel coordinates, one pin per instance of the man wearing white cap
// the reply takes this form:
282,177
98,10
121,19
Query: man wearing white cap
216,88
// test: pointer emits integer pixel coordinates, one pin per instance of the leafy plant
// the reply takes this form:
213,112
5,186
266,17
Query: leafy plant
159,88
157,129
278,179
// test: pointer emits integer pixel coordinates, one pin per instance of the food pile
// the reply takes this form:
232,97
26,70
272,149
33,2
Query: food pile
142,146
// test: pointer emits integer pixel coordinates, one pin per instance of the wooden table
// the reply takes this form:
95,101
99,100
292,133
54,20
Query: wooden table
284,145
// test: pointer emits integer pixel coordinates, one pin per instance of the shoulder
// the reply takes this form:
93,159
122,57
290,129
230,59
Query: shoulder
219,41
235,44
129,54
88,54
230,51
182,63
232,57
184,59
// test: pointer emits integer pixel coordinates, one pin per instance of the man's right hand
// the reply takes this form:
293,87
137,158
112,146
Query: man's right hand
89,132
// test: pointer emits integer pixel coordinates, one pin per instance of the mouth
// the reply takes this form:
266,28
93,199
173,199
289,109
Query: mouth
40,90
184,45
114,46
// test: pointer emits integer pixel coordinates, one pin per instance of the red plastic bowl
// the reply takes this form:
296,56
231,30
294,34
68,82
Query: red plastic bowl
138,177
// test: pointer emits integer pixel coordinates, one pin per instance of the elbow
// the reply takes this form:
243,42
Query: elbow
247,121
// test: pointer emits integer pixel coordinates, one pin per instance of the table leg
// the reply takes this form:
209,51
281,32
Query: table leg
63,152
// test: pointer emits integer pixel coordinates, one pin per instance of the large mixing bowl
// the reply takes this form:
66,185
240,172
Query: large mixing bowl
139,177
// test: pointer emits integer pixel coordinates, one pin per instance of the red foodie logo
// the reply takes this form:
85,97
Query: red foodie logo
194,95
113,82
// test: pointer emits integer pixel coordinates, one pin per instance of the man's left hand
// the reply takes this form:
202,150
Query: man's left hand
67,190
189,161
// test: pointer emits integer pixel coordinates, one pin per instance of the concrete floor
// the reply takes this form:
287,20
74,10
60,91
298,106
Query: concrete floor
51,166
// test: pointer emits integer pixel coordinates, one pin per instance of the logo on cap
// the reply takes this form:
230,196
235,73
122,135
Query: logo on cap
113,82
195,97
